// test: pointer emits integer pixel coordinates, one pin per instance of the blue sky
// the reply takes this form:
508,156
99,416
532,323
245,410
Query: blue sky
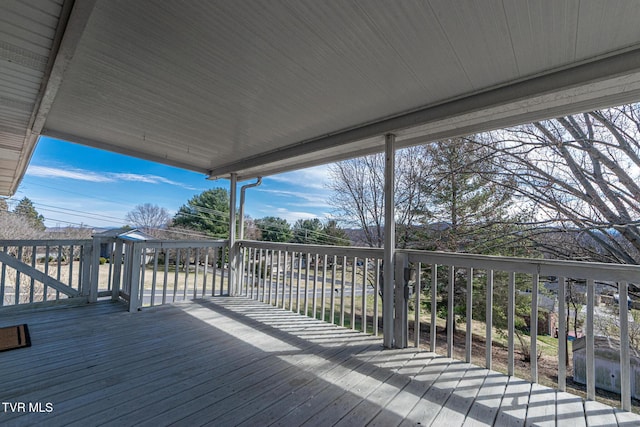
72,184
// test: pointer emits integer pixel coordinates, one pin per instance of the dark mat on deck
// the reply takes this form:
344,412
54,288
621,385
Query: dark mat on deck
16,336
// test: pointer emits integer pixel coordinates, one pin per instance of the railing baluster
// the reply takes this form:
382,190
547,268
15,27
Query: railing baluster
143,264
3,276
187,270
533,352
277,279
299,273
45,288
306,283
314,305
254,270
153,279
450,313
434,307
110,270
71,250
165,279
354,269
117,271
376,299
365,273
270,271
625,361
17,287
324,282
562,335
489,321
196,264
59,272
285,266
32,287
214,267
334,269
205,272
259,276
342,285
416,321
590,349
176,275
469,338
291,279
511,304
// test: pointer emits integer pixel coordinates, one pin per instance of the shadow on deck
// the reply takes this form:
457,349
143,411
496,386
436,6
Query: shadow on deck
234,361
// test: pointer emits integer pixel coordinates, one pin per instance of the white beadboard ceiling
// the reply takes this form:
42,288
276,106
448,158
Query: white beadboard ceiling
258,87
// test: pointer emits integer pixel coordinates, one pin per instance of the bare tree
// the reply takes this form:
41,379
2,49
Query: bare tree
582,175
15,226
149,218
358,193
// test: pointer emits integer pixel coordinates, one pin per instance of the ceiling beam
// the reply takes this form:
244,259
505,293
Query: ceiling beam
499,98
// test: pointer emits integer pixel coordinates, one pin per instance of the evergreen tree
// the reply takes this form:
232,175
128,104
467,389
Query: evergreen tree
26,209
468,203
274,229
307,231
334,235
207,212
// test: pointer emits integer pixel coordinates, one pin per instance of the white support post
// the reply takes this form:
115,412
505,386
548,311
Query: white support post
233,253
389,241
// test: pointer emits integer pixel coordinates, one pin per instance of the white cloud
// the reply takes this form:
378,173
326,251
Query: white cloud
77,174
90,176
309,197
315,177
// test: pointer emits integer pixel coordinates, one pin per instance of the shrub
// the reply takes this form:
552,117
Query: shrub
103,260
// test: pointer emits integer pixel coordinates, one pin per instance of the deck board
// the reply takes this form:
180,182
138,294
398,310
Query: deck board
233,361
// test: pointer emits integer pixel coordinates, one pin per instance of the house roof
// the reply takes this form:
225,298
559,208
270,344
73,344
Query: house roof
125,233
257,87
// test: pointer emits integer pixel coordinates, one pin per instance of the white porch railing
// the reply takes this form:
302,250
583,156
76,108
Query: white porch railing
342,285
39,271
164,271
476,266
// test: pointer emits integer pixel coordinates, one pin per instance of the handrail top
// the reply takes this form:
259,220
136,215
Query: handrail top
170,244
45,242
316,249
544,267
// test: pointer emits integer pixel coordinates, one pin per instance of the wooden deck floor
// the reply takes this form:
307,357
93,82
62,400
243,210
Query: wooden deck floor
232,361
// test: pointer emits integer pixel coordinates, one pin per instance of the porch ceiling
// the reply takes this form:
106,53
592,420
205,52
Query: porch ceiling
258,87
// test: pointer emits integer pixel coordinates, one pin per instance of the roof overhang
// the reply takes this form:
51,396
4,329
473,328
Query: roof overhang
257,88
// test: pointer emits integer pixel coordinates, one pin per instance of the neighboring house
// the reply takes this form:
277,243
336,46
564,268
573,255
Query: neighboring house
125,234
547,316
